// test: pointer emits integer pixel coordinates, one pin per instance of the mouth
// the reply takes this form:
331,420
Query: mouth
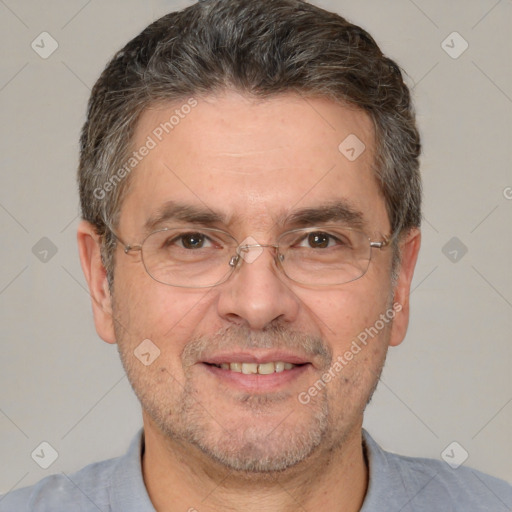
257,368
257,373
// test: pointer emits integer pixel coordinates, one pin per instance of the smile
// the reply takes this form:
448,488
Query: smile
253,368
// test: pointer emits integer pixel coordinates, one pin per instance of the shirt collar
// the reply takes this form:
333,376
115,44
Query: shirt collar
385,487
128,492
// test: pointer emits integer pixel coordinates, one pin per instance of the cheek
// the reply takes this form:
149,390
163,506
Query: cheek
343,314
149,310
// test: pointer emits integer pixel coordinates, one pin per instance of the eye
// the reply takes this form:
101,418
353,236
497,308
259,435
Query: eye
321,240
190,241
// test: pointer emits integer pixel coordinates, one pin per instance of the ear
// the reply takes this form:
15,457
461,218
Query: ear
96,276
409,249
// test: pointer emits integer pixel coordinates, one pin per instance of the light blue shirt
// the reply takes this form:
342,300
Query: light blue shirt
396,484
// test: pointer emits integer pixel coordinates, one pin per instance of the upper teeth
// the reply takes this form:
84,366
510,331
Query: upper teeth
262,368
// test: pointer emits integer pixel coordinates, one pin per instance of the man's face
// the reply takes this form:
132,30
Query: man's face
254,164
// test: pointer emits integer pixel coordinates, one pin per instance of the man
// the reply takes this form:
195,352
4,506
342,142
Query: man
251,209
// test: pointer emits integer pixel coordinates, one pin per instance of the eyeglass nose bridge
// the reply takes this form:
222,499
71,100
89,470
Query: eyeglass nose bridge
243,252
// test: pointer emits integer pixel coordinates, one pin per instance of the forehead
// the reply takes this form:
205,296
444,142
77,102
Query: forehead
253,160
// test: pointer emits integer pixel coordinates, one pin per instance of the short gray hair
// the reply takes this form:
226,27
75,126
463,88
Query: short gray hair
261,48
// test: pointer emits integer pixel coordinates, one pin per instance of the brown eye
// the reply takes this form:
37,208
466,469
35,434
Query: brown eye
192,240
318,240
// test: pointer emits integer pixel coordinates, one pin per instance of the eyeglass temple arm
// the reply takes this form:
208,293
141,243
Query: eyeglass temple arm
128,248
384,243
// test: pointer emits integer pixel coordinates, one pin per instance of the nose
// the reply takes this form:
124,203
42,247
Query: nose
257,293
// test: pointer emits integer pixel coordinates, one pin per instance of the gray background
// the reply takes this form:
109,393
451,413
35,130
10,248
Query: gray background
449,381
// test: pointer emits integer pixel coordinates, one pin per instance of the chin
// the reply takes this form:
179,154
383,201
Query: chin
260,446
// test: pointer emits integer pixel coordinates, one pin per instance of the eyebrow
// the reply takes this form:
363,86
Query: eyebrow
175,211
338,211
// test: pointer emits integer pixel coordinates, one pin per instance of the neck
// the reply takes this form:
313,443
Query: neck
180,477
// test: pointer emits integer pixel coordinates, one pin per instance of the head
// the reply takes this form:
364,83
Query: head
235,115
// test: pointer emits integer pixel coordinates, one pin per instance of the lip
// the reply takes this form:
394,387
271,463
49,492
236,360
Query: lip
256,357
256,383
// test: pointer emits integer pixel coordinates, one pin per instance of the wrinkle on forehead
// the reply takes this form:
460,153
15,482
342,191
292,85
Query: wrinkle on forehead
253,161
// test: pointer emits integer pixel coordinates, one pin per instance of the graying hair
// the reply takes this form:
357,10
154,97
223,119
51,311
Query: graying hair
263,49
